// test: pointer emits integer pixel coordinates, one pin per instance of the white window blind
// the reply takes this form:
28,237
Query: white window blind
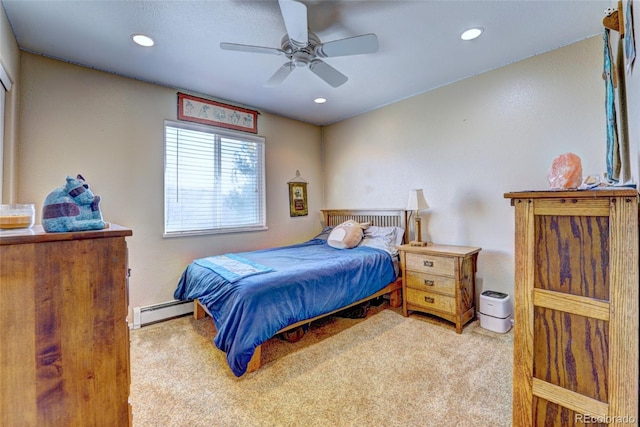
213,180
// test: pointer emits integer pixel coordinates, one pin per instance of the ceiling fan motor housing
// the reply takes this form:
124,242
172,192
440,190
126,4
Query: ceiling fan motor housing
301,56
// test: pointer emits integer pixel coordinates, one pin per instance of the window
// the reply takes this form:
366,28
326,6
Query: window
213,180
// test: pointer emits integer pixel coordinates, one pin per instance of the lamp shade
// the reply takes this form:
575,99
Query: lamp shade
417,201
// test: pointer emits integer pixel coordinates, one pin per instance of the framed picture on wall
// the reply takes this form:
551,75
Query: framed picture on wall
208,112
298,199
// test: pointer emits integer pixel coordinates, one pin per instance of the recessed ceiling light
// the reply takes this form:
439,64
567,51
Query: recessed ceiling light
320,100
142,40
471,33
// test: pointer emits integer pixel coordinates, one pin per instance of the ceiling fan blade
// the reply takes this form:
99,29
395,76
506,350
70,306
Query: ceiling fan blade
327,73
295,20
366,43
279,76
249,48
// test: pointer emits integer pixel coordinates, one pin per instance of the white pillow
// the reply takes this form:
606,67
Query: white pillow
393,234
385,238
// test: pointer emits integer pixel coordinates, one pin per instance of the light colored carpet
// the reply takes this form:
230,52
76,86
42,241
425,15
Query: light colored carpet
385,370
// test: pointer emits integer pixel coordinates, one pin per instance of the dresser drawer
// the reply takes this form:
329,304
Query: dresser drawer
429,300
429,282
431,264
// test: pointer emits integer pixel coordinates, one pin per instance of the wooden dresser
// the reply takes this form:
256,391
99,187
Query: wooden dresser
576,308
64,352
440,280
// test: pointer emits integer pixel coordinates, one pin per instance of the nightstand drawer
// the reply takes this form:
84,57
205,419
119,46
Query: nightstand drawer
431,264
431,301
430,282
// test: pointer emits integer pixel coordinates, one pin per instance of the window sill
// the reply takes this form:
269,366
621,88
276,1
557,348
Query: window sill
174,234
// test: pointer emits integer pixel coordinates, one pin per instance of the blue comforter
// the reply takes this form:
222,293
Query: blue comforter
309,279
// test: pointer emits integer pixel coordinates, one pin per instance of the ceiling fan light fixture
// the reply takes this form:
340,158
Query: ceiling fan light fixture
320,100
471,33
142,40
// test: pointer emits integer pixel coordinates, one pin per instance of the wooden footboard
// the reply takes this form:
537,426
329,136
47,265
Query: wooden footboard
199,310
395,300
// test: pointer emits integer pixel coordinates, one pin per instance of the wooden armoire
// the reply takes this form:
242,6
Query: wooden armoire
64,338
576,308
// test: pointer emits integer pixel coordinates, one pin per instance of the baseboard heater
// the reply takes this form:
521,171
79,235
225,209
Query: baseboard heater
155,313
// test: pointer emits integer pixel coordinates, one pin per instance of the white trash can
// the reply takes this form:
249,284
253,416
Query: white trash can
495,311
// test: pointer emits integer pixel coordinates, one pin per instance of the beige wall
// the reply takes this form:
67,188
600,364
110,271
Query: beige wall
468,143
110,129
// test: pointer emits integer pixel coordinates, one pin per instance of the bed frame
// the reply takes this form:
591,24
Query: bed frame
333,217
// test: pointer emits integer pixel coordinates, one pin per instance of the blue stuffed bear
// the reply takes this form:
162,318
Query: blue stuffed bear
72,207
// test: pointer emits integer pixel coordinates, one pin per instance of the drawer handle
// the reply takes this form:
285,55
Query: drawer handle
428,263
429,300
428,282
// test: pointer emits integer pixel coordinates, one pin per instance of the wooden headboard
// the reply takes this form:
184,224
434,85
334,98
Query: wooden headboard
377,217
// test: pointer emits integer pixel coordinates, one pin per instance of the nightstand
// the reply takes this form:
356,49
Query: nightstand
440,280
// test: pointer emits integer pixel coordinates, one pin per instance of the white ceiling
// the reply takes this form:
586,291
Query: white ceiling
419,45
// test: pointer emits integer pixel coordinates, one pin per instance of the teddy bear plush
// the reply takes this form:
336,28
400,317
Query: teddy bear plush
72,207
346,235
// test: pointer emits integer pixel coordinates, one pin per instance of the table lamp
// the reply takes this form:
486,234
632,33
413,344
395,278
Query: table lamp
417,203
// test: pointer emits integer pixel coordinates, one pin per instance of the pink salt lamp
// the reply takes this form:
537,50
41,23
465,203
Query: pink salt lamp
566,171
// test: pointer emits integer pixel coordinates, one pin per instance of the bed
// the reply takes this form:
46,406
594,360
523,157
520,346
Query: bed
253,296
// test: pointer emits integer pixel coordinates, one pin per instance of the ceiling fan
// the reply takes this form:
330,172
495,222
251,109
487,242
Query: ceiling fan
303,48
